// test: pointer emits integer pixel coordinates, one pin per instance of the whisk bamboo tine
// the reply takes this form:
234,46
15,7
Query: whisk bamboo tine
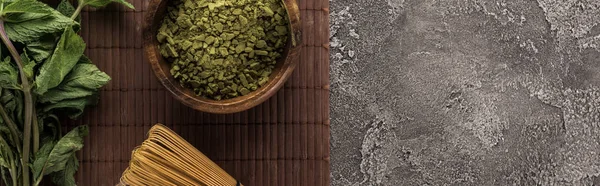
165,158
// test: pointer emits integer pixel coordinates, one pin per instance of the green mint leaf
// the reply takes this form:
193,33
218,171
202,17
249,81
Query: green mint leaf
69,49
84,80
40,122
24,10
4,160
49,126
54,160
41,158
41,49
25,24
66,177
67,9
31,30
5,132
72,107
8,100
84,60
12,100
13,103
4,157
8,75
28,65
102,3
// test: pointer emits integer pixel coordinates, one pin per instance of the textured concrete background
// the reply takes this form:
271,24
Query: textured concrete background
465,92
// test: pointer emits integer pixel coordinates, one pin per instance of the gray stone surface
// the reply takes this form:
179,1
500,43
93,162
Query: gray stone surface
465,92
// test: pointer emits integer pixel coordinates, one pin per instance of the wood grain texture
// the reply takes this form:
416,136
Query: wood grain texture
283,141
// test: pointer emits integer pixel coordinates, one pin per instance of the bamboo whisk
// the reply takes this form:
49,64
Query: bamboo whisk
167,159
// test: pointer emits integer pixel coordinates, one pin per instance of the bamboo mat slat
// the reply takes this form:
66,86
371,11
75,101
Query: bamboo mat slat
284,141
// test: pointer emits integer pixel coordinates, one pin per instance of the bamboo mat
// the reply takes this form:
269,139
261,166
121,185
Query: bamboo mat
284,141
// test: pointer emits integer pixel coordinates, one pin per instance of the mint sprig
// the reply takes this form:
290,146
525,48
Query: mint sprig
43,73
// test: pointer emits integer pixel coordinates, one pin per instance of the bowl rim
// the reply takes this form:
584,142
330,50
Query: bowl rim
233,105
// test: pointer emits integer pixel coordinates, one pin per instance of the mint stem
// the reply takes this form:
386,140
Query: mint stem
78,10
36,132
13,173
26,88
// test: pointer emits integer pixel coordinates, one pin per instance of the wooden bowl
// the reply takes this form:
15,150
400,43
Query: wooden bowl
282,71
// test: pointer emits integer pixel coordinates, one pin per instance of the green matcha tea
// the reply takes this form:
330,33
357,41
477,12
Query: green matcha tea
222,49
